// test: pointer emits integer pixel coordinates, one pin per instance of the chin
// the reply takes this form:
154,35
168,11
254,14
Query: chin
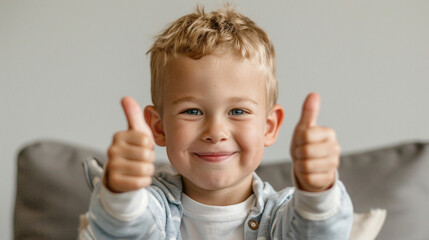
215,183
219,182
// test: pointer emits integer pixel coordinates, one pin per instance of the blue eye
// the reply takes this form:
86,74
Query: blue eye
237,112
193,112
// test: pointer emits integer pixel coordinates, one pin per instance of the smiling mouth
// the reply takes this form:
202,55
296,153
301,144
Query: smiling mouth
214,157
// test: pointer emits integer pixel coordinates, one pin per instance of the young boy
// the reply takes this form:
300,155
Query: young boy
214,92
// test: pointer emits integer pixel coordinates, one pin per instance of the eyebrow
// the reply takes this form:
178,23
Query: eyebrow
184,99
243,99
233,99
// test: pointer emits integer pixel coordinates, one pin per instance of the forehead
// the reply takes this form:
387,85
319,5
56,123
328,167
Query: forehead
217,73
221,64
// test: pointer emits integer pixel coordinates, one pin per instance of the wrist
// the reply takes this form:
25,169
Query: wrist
317,206
314,182
125,206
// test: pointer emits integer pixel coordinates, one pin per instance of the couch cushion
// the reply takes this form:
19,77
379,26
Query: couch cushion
52,192
392,178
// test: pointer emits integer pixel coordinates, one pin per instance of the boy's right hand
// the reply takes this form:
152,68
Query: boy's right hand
131,155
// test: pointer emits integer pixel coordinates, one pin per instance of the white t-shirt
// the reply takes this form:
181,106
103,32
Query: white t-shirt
202,221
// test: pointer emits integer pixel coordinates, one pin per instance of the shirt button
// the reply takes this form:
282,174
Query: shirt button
253,224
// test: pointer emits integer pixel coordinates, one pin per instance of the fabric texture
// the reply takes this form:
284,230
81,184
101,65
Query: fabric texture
366,226
392,178
51,191
219,222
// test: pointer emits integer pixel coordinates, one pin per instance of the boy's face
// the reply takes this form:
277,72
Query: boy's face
214,121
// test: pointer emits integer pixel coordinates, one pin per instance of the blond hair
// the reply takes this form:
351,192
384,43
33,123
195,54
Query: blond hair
199,34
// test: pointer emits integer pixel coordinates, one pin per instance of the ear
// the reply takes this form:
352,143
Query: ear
272,126
154,121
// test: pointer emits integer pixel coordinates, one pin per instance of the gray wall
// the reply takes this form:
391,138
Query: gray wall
65,65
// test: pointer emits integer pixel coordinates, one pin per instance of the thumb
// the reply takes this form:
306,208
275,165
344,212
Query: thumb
134,114
310,110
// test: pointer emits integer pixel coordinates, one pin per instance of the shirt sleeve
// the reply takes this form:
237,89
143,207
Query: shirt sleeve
317,206
125,206
132,215
322,215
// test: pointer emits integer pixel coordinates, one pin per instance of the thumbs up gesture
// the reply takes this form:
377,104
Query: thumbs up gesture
314,150
131,155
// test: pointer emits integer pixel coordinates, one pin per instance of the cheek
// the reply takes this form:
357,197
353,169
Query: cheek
251,136
174,130
179,135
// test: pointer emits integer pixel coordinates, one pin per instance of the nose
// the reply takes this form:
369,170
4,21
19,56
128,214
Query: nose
215,131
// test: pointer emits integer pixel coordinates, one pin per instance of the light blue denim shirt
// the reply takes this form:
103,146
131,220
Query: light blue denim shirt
287,214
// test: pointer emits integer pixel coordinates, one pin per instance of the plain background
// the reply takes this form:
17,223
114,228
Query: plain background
64,65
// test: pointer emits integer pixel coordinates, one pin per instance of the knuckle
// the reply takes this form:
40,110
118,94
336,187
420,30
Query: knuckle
338,149
297,167
298,136
144,170
307,136
332,160
312,179
306,178
151,169
114,166
146,141
329,133
140,138
301,152
331,164
336,163
145,154
333,134
142,182
297,153
117,137
113,179
335,149
305,167
148,155
136,184
148,182
112,151
306,150
138,153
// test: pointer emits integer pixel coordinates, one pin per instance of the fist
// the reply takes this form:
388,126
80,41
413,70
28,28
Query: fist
131,155
314,150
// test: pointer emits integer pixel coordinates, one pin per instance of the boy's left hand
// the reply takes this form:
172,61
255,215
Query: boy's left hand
314,150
